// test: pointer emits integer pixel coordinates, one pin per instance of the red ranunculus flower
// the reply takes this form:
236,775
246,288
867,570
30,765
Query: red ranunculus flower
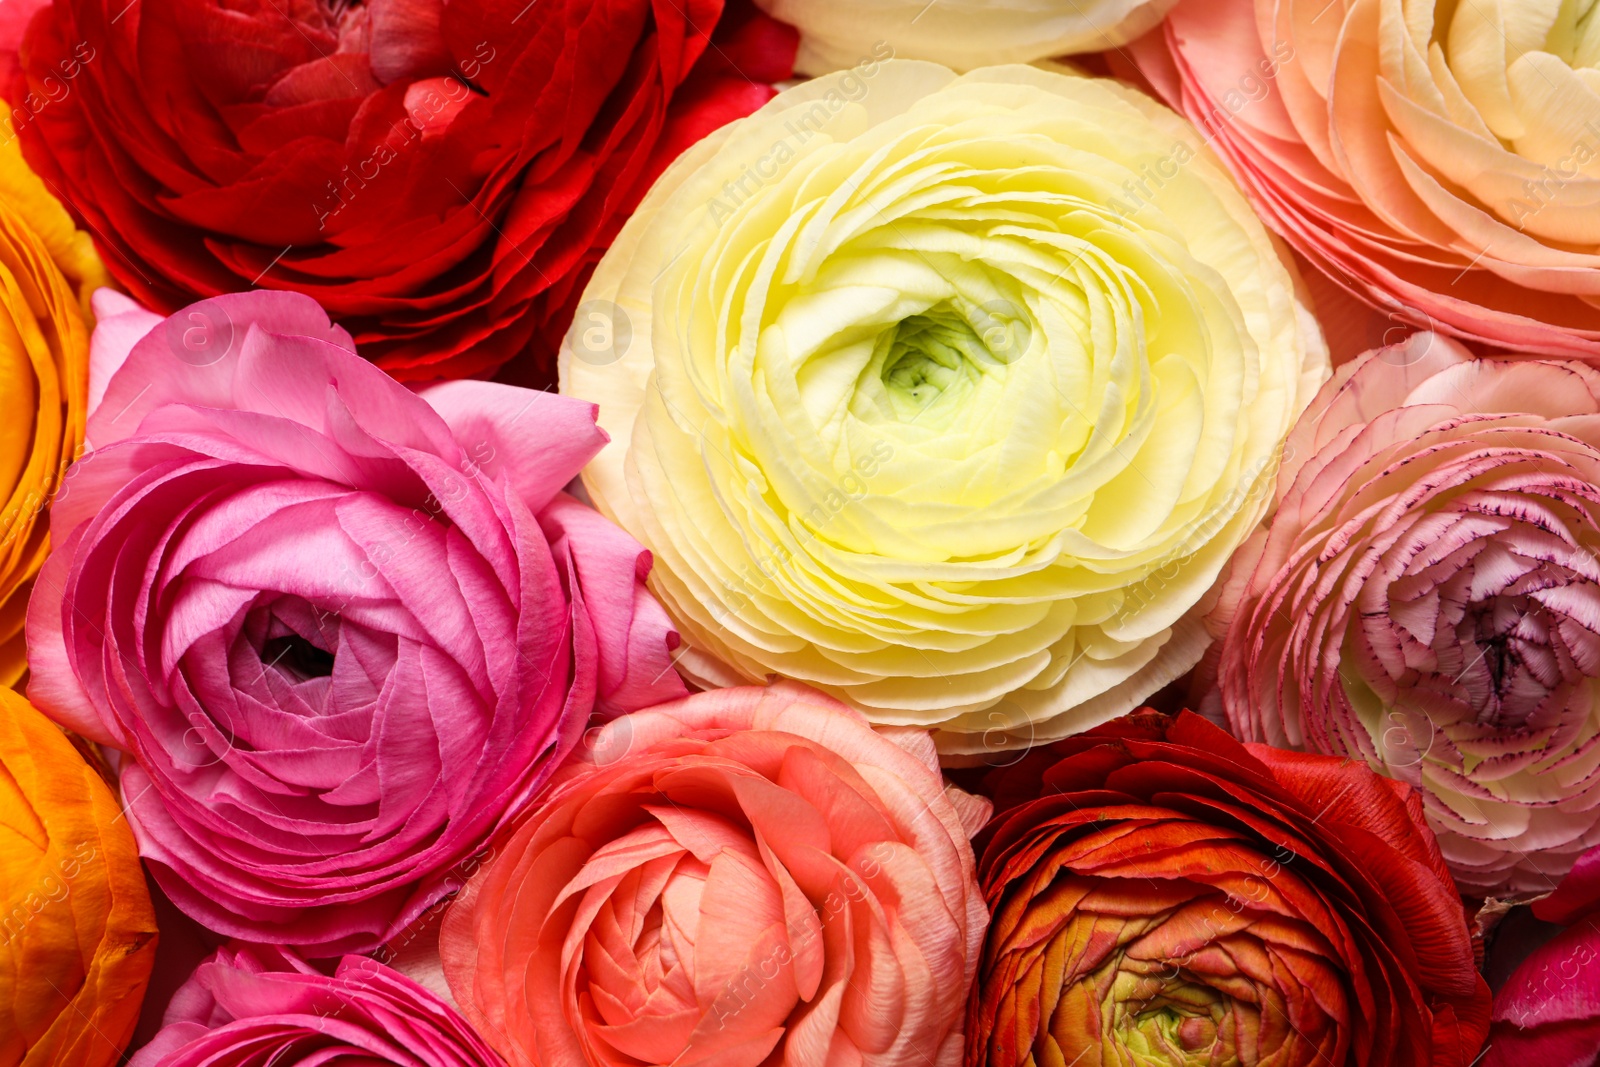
1162,893
441,175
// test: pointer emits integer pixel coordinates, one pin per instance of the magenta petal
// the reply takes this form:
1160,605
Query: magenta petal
51,681
1577,895
635,637
164,368
540,441
336,645
258,1004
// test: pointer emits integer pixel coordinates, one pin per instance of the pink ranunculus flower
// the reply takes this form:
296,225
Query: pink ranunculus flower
747,876
1441,160
260,1006
1548,1011
343,630
1427,599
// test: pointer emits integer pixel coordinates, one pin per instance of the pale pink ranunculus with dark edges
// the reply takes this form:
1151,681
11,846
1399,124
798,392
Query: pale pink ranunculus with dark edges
747,876
262,1006
1426,598
339,630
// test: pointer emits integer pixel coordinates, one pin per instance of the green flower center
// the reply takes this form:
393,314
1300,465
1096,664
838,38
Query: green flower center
946,351
1170,1022
1174,1033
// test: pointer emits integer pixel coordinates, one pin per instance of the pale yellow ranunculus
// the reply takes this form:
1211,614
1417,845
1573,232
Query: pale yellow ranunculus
948,395
964,34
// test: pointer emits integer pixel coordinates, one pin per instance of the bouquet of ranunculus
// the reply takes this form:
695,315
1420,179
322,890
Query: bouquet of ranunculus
800,533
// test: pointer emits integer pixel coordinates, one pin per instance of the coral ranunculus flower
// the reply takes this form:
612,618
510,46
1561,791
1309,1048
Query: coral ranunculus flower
342,630
1163,894
1440,159
1427,599
948,396
748,876
439,176
47,270
77,930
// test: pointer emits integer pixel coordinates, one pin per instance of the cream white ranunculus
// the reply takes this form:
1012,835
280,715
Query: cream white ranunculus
947,395
964,34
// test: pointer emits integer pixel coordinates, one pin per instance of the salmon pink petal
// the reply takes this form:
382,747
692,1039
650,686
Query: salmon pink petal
736,875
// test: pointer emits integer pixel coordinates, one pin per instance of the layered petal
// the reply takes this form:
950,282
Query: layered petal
746,876
255,1006
1439,160
440,176
48,269
77,929
343,635
1163,894
1426,599
961,34
947,396
1548,1010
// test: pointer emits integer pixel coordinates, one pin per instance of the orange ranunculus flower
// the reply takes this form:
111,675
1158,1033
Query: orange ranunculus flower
47,271
77,930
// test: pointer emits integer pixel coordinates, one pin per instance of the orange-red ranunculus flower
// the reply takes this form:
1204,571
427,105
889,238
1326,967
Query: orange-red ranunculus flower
1163,894
47,270
1440,159
77,930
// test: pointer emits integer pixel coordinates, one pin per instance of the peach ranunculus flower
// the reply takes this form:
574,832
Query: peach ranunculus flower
1442,160
1427,599
746,876
961,34
77,930
948,396
48,269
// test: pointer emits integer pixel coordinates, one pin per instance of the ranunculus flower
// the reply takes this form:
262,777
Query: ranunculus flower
1442,160
963,34
48,268
948,396
1427,599
1163,894
261,1006
1548,1011
343,631
747,876
77,932
441,177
